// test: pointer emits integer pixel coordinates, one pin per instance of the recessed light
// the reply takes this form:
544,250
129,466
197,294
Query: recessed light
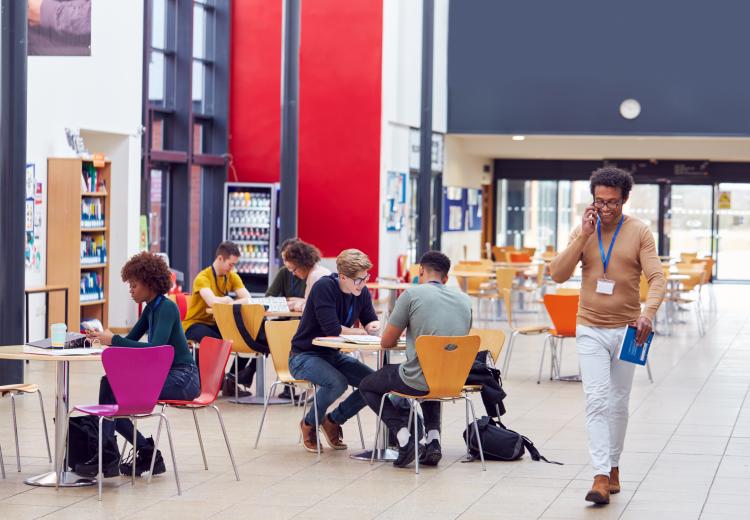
630,108
519,137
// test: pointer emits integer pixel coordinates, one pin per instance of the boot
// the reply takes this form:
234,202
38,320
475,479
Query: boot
90,468
228,388
143,461
599,493
614,481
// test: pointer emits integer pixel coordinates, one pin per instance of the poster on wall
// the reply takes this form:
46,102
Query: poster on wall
395,205
473,209
59,27
32,221
454,208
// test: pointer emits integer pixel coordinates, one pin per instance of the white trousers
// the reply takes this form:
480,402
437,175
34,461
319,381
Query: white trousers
606,384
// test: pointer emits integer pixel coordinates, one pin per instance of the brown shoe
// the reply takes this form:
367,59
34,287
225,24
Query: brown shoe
599,493
333,433
309,437
614,481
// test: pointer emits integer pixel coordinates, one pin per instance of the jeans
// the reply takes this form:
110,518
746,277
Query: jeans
183,383
606,384
388,379
332,372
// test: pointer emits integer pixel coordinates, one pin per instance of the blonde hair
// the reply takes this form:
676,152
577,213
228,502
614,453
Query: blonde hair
351,261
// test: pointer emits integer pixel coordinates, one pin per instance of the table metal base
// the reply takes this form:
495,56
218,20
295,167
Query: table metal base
256,399
69,479
381,455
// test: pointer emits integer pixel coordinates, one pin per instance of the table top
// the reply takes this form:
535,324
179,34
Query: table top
678,277
272,314
518,265
16,352
334,342
473,274
392,286
46,288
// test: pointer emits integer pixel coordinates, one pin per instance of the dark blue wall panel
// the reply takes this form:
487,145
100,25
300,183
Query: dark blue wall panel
563,67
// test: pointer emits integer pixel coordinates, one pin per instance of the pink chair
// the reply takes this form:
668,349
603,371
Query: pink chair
214,356
137,377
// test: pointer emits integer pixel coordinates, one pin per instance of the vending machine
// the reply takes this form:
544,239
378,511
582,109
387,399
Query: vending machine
251,222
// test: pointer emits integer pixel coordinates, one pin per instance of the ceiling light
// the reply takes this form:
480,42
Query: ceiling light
519,138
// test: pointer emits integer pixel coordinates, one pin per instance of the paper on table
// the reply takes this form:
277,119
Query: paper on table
361,340
28,349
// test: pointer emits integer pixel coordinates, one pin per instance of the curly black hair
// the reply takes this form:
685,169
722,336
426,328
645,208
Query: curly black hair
436,261
302,254
148,269
613,178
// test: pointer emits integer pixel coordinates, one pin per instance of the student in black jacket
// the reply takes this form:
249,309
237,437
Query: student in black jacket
336,302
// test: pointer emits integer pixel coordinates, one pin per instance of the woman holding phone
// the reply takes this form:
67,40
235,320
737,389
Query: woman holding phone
149,279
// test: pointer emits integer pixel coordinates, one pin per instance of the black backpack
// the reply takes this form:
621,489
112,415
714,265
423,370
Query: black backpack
83,441
499,443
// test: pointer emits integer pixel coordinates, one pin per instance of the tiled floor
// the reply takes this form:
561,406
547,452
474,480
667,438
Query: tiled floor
687,452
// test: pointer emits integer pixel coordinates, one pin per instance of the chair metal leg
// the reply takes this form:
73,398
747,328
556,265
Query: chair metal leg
44,423
541,361
476,431
237,378
156,448
317,419
466,413
263,416
200,439
171,450
508,352
416,435
15,430
648,370
135,451
100,474
2,463
303,396
377,427
226,440
361,436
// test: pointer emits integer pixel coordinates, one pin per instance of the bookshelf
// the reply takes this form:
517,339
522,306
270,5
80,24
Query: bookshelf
78,224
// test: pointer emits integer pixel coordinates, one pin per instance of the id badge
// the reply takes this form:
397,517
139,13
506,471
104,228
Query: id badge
604,286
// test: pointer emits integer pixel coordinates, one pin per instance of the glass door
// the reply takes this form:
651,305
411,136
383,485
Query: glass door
733,237
643,204
690,217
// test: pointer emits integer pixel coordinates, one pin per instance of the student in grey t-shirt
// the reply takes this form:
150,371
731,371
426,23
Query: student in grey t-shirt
429,309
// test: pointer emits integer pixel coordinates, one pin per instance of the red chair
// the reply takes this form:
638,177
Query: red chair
562,310
214,356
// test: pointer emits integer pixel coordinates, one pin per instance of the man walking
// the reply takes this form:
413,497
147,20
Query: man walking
613,250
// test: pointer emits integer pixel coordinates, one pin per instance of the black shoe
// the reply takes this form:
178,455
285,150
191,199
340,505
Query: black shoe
247,374
432,454
90,468
143,461
228,389
287,393
406,454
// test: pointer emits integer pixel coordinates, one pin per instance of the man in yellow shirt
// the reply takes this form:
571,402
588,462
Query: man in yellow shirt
214,285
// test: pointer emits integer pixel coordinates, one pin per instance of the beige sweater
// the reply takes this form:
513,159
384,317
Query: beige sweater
633,252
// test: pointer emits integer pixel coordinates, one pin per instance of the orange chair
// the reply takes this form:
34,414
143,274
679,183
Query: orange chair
519,257
529,330
562,310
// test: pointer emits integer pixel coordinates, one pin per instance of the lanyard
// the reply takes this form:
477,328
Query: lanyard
152,309
216,278
605,259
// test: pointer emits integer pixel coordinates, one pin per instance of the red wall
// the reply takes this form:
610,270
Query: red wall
339,141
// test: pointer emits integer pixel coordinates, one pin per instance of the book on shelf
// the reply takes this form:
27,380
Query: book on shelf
91,180
93,250
92,288
92,213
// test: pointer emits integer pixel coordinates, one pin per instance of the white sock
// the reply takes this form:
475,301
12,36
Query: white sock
433,435
403,437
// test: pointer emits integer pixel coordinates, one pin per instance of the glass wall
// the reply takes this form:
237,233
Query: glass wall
690,220
733,237
643,204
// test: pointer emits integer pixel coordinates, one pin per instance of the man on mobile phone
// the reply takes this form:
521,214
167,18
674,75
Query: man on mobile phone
613,250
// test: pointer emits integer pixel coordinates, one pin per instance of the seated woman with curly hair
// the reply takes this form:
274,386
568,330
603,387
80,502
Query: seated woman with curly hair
149,279
303,261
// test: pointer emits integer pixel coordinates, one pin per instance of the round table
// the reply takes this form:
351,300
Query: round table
463,277
392,288
382,452
65,478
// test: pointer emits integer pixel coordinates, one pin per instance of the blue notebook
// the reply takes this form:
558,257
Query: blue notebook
633,353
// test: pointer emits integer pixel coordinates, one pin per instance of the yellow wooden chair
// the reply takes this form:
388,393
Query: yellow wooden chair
529,330
446,362
22,389
252,318
491,340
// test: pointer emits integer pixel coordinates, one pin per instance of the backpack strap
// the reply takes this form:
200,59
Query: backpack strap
246,336
534,453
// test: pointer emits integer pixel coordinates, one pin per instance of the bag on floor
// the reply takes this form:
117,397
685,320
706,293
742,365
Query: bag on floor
83,441
500,443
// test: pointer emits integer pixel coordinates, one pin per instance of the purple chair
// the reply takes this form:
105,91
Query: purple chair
137,377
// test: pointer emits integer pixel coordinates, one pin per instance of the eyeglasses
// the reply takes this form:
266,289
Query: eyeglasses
359,281
610,204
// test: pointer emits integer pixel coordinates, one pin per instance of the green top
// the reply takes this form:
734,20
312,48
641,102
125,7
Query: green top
428,309
164,328
287,285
